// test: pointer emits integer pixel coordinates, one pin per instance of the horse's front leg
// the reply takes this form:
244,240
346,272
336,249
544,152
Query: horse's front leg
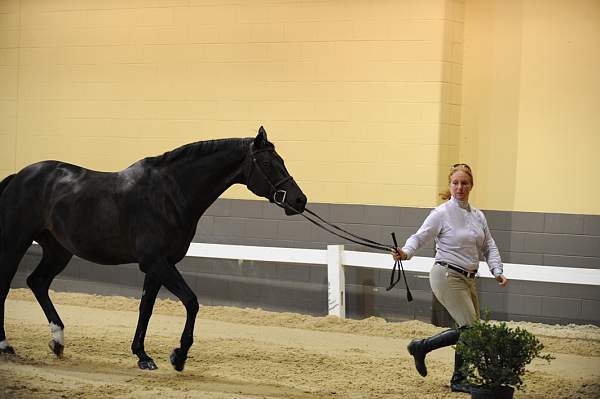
170,278
151,288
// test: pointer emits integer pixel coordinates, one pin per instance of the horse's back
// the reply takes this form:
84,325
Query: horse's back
22,203
45,173
26,187
81,208
35,184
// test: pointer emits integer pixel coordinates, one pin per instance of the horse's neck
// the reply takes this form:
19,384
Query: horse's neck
202,179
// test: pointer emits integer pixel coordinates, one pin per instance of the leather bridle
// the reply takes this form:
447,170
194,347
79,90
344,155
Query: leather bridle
275,186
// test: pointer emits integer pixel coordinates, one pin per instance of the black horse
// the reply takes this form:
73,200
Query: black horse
145,214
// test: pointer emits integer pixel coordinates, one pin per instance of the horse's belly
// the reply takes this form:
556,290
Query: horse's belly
106,257
103,253
95,248
92,228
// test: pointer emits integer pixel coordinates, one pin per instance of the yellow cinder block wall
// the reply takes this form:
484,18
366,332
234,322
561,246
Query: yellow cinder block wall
352,93
531,96
368,102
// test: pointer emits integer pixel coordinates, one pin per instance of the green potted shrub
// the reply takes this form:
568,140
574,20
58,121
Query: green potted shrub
495,357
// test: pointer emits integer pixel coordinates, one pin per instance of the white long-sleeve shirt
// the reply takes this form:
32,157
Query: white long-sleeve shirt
461,235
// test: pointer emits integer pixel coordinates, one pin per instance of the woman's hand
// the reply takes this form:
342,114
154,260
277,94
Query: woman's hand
398,254
503,281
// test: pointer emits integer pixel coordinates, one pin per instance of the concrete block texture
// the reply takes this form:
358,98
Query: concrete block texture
563,244
221,207
562,307
392,305
523,305
348,214
247,209
382,215
585,262
564,224
498,220
591,225
492,301
527,221
578,291
294,230
524,258
508,241
590,310
259,228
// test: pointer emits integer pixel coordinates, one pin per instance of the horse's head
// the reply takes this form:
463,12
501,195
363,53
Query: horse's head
267,176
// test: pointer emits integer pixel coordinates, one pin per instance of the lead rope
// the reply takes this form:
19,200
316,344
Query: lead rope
398,265
365,242
378,244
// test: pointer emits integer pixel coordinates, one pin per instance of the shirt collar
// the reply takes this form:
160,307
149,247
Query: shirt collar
462,204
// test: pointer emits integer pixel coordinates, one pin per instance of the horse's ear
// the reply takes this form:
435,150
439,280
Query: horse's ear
261,138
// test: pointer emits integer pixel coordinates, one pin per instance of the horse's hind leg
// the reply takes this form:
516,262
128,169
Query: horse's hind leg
6,275
151,288
11,254
54,259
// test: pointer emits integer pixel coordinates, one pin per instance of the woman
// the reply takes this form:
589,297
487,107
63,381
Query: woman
462,238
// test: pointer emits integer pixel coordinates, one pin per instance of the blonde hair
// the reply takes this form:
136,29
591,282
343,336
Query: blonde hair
459,167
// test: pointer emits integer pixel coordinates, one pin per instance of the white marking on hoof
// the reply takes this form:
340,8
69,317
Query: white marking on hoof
58,333
4,344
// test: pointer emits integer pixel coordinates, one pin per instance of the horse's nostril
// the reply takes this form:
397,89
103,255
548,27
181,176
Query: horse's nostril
301,203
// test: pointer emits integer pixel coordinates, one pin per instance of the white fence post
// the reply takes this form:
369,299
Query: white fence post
336,282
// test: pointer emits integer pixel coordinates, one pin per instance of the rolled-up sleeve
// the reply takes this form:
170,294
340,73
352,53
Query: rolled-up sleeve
428,230
490,250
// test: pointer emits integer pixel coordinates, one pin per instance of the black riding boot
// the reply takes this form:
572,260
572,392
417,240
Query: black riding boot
418,348
459,382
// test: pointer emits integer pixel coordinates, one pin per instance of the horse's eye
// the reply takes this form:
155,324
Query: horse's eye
266,164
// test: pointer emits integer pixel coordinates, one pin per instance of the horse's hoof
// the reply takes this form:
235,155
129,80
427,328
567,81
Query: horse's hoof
147,364
177,359
57,348
9,350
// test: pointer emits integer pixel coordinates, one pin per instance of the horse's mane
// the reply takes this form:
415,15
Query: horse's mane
199,149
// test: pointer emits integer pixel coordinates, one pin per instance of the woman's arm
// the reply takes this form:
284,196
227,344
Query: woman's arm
491,253
429,229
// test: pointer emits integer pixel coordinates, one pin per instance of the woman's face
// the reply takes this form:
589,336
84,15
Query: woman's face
460,185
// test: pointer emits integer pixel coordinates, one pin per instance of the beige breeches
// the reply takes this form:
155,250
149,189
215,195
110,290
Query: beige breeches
456,292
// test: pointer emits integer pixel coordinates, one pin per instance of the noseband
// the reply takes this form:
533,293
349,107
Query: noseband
275,190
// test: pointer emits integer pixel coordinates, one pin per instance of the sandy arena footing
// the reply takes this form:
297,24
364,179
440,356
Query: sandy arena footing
250,353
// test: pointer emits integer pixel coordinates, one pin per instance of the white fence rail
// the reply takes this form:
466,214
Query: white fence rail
335,257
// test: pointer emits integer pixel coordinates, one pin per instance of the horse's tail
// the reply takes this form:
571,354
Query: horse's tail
5,182
3,185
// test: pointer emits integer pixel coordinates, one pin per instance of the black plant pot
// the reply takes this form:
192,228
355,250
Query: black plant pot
503,392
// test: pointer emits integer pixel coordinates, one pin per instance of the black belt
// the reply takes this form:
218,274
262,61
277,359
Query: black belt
457,269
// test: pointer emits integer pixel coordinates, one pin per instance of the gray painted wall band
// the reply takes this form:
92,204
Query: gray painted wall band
522,237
